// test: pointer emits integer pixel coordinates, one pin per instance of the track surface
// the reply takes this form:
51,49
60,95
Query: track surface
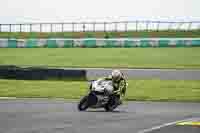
59,116
163,74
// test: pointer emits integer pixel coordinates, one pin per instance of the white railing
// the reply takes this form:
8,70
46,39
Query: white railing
101,26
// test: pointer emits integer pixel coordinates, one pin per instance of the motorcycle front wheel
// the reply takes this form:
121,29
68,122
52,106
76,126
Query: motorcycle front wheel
83,104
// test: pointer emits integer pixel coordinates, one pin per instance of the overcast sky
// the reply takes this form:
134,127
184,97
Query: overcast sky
17,11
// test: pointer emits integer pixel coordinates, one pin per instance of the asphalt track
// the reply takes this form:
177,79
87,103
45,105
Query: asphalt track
163,74
59,116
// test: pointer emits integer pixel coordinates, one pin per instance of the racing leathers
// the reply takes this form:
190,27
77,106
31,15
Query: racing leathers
119,86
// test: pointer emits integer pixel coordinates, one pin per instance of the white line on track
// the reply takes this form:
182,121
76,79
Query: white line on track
166,125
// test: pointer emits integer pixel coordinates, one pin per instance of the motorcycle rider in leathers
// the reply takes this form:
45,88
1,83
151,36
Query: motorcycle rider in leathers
119,83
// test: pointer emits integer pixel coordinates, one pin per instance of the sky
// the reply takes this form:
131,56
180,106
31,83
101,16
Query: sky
20,11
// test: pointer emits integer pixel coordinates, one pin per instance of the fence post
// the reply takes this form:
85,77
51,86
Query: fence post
72,27
189,26
104,26
20,27
126,26
147,25
94,24
10,30
83,27
158,25
116,24
51,27
40,27
62,26
136,24
30,27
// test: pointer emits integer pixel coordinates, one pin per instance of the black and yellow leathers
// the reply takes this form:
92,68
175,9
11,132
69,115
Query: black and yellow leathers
119,86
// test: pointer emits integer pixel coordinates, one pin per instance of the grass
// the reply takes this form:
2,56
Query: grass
178,58
141,90
143,34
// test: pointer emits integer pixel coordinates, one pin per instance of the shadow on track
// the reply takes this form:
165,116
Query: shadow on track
103,111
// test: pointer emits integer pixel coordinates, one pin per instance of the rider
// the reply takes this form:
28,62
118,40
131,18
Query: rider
119,83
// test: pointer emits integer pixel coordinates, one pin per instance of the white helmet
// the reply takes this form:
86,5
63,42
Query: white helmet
116,75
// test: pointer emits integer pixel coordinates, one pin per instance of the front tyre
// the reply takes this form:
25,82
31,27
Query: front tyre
83,104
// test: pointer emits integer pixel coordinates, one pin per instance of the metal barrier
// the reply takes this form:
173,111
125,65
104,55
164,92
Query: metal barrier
101,26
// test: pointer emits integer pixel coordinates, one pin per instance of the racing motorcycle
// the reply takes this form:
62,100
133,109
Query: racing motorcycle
101,95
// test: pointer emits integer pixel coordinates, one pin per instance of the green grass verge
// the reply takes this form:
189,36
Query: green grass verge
143,34
141,90
186,58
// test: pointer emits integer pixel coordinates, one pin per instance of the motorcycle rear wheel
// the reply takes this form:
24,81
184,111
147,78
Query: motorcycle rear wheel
112,104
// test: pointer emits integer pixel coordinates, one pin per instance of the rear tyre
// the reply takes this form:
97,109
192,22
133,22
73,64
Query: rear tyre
112,104
109,108
83,104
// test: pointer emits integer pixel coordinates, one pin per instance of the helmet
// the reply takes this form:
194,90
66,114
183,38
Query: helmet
116,75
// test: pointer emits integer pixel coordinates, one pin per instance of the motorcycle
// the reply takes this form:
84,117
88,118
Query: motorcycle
101,95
